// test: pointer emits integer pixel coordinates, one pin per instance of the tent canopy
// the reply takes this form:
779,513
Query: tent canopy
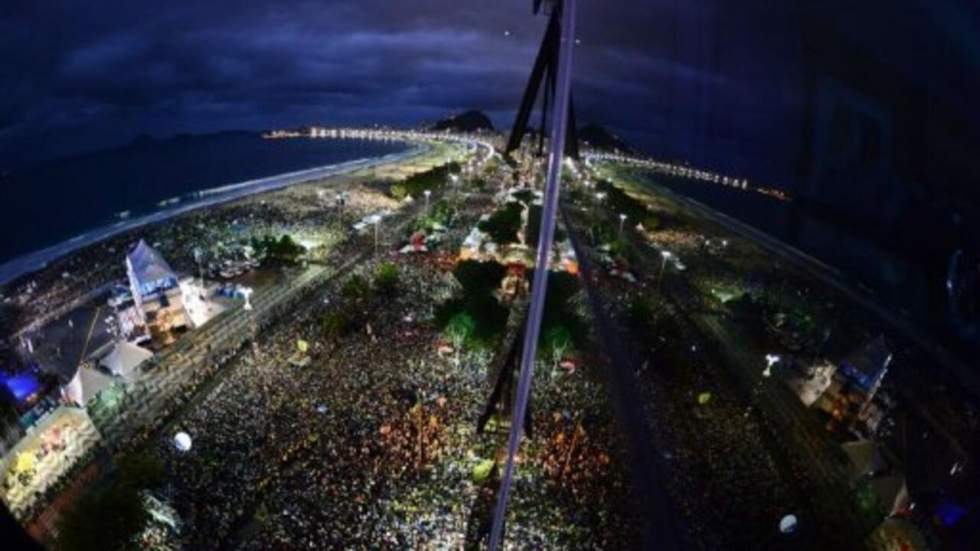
125,358
86,385
148,266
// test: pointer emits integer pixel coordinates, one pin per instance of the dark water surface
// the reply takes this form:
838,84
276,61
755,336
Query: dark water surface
52,201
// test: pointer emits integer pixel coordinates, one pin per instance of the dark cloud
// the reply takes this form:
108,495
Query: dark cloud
677,76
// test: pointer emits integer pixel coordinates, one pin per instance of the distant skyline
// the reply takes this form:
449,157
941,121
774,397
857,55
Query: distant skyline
710,82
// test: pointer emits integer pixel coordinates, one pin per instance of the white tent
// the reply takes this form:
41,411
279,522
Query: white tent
124,359
86,385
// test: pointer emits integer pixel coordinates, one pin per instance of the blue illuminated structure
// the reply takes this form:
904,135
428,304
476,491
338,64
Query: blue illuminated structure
22,385
149,274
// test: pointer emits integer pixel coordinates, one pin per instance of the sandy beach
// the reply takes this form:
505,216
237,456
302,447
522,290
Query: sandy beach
42,284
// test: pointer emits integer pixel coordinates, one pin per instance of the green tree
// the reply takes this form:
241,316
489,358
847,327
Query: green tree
525,196
555,342
335,324
488,317
284,250
386,279
109,519
442,213
479,277
460,330
431,179
559,318
503,224
619,201
356,288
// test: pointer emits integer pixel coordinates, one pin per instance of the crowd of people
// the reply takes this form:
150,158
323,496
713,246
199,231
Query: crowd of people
41,295
729,476
373,443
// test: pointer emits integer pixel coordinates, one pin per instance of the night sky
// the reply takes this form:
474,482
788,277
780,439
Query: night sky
718,83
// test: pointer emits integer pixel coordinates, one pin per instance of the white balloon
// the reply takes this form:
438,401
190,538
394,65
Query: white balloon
182,441
788,524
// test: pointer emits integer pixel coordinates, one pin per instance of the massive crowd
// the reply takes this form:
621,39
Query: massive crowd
373,444
222,229
727,469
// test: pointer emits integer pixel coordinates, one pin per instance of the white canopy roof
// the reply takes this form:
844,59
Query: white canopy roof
86,385
148,264
125,358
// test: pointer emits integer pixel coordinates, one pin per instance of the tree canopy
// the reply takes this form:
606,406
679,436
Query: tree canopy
109,519
503,224
561,325
479,277
284,249
476,313
386,279
479,316
431,179
442,212
356,288
620,202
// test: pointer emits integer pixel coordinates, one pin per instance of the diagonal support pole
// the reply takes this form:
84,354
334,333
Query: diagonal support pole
542,64
559,122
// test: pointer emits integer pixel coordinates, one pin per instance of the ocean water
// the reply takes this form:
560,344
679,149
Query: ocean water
55,201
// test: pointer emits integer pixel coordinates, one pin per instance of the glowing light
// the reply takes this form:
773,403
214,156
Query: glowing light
788,524
771,360
182,441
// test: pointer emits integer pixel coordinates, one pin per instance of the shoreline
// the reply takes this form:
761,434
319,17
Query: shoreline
40,259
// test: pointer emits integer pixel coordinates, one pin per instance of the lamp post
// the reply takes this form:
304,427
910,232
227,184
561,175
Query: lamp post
622,220
247,293
664,256
377,224
771,360
198,255
427,193
599,197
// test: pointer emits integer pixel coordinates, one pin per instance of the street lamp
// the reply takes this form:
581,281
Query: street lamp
377,224
599,196
427,193
664,256
622,220
247,293
771,360
198,255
